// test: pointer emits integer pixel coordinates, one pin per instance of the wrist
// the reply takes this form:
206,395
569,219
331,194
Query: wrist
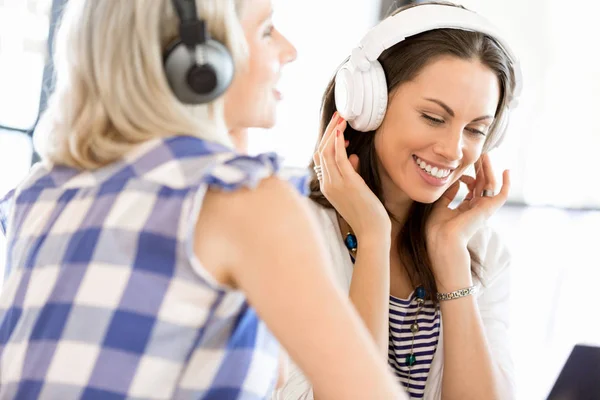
374,241
451,284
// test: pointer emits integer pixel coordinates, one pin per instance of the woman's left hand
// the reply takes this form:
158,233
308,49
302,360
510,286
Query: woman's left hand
449,230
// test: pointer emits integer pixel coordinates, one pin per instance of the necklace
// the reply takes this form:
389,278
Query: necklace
352,245
411,359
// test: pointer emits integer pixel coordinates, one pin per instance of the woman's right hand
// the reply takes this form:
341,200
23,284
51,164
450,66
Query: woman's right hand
345,188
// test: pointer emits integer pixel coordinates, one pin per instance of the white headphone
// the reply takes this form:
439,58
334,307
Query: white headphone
360,86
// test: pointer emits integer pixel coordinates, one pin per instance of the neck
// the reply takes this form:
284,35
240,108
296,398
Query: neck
396,202
239,137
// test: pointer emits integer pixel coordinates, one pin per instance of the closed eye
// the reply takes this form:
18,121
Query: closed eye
436,122
476,131
432,120
269,31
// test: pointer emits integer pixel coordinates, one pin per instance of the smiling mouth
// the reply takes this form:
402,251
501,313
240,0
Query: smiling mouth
435,172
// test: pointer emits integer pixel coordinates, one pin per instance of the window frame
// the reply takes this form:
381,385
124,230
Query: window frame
48,74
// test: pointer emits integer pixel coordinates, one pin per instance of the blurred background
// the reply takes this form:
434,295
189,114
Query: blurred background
552,222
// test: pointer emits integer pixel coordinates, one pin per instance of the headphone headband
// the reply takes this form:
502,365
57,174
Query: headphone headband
198,68
360,84
428,17
186,10
192,30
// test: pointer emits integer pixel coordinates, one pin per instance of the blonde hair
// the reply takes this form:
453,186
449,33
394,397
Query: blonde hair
111,92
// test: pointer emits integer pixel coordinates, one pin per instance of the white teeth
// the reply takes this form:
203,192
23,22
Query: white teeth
433,171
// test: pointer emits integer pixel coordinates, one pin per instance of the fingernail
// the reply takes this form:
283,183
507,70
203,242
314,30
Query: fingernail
338,132
334,116
340,119
347,143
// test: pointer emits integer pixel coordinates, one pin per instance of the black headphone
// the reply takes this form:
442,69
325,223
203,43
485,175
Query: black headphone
199,69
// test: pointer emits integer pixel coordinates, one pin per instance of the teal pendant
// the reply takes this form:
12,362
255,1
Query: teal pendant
411,359
351,242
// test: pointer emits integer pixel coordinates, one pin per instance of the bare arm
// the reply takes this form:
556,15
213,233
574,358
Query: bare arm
275,255
492,315
469,371
370,288
345,189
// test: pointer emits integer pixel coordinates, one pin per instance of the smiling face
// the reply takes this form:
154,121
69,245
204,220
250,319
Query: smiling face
435,128
252,99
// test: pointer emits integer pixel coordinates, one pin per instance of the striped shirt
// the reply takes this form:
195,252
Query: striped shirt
402,315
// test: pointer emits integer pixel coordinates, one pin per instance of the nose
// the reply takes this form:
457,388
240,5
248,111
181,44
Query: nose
450,146
288,51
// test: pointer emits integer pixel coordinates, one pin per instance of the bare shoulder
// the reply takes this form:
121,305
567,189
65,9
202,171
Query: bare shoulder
271,198
234,225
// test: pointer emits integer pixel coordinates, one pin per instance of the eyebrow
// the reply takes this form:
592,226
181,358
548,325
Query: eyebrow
268,16
451,112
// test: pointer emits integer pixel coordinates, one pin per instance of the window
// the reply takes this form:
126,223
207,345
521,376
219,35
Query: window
24,27
23,37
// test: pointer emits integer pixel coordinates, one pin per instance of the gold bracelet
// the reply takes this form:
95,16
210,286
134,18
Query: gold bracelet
457,294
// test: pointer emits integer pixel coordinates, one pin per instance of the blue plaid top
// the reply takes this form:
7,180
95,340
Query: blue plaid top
104,298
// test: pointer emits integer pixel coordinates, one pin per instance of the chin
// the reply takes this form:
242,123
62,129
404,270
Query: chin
267,121
425,198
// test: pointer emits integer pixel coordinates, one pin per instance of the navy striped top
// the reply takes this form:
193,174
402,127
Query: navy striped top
402,315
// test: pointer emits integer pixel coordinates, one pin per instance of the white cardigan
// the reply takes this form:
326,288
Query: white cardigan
493,301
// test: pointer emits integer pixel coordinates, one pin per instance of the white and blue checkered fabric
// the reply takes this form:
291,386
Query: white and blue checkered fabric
104,298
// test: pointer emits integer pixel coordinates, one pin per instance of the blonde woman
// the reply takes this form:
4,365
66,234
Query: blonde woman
140,248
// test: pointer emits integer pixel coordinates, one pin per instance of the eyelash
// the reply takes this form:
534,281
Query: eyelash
437,122
269,31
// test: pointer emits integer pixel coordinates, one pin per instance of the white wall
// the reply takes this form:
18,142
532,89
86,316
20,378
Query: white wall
324,32
552,143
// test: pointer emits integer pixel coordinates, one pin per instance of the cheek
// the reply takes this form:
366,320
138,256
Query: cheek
263,68
473,152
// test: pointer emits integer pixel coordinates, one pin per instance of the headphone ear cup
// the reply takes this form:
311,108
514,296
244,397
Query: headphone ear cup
346,92
367,91
362,120
201,76
380,96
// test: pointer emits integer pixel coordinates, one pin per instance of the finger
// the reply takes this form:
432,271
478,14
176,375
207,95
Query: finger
354,161
335,120
326,147
476,216
469,181
505,189
488,172
341,157
328,158
479,178
449,195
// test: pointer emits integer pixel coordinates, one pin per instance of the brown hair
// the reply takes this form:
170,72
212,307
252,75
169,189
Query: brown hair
401,63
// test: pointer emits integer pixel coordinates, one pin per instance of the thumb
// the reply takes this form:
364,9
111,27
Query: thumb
354,161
